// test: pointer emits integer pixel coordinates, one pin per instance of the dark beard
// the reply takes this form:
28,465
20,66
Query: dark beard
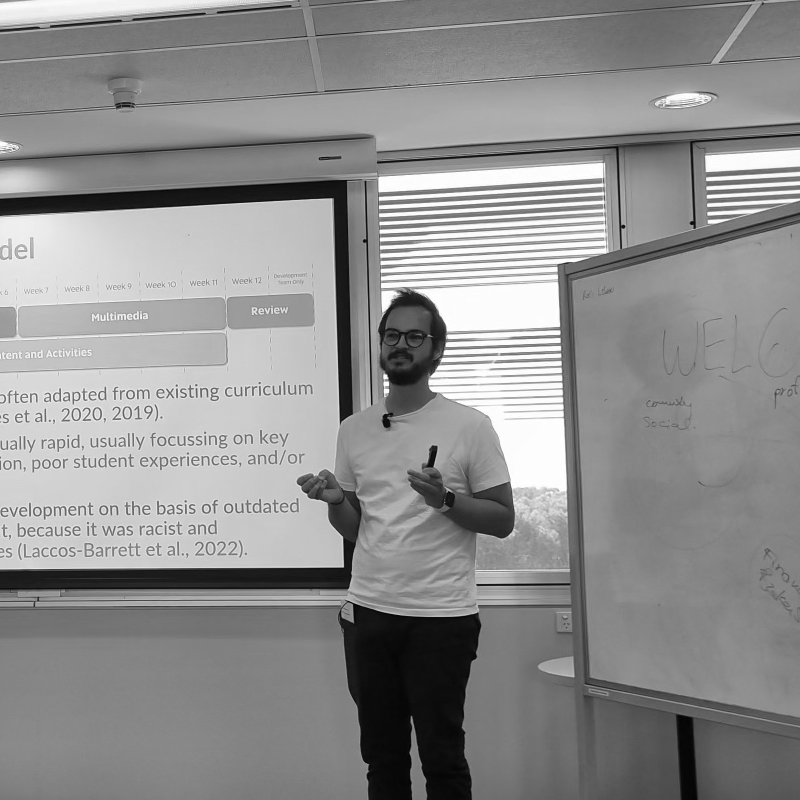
407,375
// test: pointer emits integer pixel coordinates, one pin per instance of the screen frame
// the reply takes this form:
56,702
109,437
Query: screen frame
229,578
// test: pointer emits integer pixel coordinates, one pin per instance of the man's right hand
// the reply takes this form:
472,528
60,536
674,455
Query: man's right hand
323,487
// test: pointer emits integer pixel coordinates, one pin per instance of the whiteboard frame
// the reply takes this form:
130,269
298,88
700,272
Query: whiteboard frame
588,689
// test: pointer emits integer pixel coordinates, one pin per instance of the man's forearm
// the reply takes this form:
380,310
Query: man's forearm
482,516
345,517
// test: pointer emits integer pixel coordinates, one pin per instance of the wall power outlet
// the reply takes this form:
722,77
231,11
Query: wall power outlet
564,621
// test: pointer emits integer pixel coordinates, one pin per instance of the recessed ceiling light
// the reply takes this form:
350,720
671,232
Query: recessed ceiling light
684,100
8,147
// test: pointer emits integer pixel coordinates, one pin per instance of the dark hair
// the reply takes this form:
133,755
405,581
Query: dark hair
408,297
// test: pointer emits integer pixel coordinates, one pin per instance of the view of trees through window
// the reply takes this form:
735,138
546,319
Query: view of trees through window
484,245
539,540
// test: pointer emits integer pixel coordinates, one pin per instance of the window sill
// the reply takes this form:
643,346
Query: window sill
488,595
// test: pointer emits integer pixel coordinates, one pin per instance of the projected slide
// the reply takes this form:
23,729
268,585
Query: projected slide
165,374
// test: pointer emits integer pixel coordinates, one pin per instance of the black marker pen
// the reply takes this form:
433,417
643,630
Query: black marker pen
432,456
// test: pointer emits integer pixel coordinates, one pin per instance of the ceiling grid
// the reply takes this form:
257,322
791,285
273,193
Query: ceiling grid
737,31
308,18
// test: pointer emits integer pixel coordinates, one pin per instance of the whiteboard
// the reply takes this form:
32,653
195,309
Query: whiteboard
684,364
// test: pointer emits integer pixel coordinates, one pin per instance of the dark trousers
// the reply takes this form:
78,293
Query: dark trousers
401,669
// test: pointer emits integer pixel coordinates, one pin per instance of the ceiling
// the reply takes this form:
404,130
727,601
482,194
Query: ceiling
412,73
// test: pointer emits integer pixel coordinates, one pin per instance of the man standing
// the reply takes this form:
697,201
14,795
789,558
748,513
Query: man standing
410,620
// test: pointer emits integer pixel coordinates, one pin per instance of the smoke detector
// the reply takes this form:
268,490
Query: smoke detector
125,91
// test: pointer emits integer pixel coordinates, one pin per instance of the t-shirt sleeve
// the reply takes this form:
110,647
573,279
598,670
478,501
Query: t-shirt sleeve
487,465
343,469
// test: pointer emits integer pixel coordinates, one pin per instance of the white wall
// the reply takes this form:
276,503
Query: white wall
248,704
656,191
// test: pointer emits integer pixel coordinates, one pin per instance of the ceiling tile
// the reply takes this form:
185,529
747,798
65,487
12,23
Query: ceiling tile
250,70
126,36
558,47
773,32
346,18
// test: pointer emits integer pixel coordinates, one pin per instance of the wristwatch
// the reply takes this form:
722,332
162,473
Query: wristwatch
449,500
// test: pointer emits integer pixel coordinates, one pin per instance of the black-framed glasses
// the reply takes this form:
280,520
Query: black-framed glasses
391,337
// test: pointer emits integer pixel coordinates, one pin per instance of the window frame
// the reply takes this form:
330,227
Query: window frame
433,163
720,146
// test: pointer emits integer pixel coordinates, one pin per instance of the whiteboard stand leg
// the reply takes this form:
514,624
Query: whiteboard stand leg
587,758
686,758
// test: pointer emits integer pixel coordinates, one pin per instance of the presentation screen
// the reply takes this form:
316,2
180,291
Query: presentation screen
170,362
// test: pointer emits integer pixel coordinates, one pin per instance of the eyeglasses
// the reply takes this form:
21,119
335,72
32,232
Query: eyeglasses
391,337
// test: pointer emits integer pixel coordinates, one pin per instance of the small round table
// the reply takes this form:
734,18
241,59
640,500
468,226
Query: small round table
559,670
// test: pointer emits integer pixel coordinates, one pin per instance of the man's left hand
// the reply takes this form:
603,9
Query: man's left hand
428,483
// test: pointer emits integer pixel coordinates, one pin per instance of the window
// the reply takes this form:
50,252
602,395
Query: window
733,179
483,240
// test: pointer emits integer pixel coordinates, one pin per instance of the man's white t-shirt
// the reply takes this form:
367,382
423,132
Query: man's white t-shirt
411,559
